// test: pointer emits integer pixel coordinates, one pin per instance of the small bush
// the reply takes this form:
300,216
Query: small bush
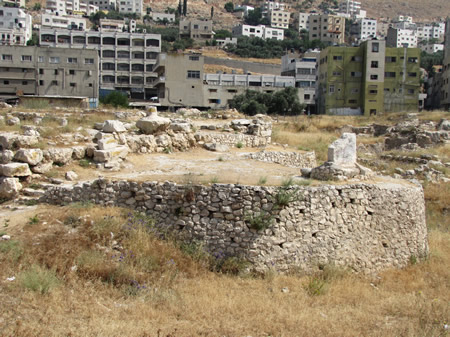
33,220
287,182
214,180
84,163
239,145
259,221
11,249
262,181
284,197
39,279
116,99
315,286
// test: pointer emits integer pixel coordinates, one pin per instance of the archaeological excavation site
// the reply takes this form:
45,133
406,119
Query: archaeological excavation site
221,180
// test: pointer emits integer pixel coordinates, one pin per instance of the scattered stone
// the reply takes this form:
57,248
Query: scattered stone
42,167
6,156
29,156
79,152
152,124
343,151
15,170
444,124
102,156
216,147
306,172
9,187
71,176
59,156
12,121
5,238
111,126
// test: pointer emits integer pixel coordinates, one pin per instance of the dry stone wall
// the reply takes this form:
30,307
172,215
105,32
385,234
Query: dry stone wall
290,159
367,227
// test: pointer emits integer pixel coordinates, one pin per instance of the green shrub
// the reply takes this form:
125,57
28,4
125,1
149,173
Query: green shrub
116,99
285,196
39,279
262,181
239,145
12,249
33,220
84,162
259,220
315,286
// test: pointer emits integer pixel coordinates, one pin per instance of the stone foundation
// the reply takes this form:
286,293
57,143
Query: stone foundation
290,159
232,139
367,227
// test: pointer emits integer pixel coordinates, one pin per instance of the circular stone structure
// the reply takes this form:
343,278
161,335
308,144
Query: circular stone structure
364,226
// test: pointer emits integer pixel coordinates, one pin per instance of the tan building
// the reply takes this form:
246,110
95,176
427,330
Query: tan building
40,71
182,82
327,28
279,18
200,30
445,79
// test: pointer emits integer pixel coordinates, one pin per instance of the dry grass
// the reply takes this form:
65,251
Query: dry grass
437,198
162,291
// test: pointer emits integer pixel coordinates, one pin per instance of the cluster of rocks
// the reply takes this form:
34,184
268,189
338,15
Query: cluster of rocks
367,227
341,163
193,112
285,158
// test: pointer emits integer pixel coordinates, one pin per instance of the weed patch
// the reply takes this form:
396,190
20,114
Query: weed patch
39,279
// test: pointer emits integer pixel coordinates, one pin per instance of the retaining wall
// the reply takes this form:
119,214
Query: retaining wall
367,227
290,159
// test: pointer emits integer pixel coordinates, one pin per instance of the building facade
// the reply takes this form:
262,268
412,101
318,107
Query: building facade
260,31
40,71
130,7
279,18
200,30
49,20
433,31
398,38
303,21
162,16
327,28
350,7
445,80
368,79
15,26
13,3
126,59
72,7
432,48
366,29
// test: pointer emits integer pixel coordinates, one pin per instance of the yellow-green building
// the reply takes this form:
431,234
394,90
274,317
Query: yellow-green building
368,79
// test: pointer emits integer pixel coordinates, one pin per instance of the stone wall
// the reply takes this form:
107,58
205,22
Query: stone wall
367,227
231,139
290,159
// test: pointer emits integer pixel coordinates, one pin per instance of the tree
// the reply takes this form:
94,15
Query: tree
34,41
254,17
229,7
221,34
212,12
37,6
184,7
180,8
116,99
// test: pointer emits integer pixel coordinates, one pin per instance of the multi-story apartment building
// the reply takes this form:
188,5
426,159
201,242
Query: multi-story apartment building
350,7
303,68
434,31
366,29
327,28
109,25
267,6
182,82
279,18
62,22
126,59
303,21
432,48
445,81
130,7
72,7
397,37
368,79
162,16
260,31
40,71
200,30
12,3
15,26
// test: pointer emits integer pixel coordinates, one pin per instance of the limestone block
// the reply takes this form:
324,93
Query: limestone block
29,156
6,156
78,152
12,121
15,170
180,127
107,144
111,126
59,156
42,167
71,176
9,187
11,140
216,147
153,124
444,124
343,151
102,156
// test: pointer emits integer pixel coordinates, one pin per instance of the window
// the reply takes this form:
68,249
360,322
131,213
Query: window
354,90
90,85
373,91
387,90
26,58
72,60
412,74
88,61
307,96
56,72
375,47
41,59
54,59
337,57
374,77
54,82
212,90
41,82
41,71
374,64
331,89
412,59
5,82
194,58
389,74
352,101
193,74
73,85
6,57
411,91
24,82
336,73
356,58
355,74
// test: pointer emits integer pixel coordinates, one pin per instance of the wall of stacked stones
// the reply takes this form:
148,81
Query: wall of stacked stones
290,159
367,227
232,139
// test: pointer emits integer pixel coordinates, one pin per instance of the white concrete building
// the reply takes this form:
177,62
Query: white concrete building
350,7
279,18
12,3
15,26
398,38
267,6
162,16
131,7
432,48
64,22
71,7
303,21
260,31
244,8
105,5
366,29
434,31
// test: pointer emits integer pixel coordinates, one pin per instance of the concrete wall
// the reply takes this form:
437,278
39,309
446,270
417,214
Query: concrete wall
367,227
